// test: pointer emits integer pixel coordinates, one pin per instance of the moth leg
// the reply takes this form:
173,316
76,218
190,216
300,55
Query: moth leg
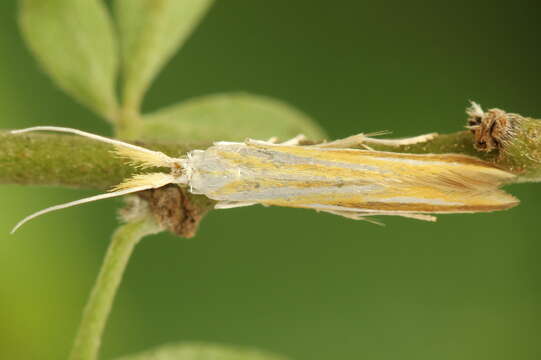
232,204
354,216
402,142
360,215
349,142
294,141
365,140
422,217
274,141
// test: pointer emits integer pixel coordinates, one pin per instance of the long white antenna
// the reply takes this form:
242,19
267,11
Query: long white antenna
86,134
135,184
78,202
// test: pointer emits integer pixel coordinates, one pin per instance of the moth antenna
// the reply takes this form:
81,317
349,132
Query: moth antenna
136,153
74,203
143,182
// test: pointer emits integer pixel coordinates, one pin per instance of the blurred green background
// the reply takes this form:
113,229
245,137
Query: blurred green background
307,285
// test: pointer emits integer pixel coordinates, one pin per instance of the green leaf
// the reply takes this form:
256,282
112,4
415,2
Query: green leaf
151,31
229,117
74,42
191,351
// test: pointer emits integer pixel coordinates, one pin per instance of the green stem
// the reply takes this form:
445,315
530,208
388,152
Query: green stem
128,123
96,312
68,161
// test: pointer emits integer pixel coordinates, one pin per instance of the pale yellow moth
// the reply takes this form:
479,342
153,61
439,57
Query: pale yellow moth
330,177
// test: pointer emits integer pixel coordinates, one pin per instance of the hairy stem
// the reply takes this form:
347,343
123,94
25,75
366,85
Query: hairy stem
98,307
68,161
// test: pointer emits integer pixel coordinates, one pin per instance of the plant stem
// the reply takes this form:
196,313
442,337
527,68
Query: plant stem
128,123
98,307
68,161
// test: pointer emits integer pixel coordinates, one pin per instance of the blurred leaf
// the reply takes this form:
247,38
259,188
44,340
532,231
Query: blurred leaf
74,42
229,117
200,352
151,31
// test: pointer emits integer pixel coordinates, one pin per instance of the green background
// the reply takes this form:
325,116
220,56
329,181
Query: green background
307,285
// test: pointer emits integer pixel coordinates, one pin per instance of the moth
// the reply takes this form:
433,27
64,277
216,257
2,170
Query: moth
334,177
